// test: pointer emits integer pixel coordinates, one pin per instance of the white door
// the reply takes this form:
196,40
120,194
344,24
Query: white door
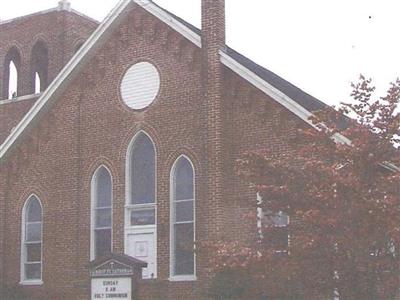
142,247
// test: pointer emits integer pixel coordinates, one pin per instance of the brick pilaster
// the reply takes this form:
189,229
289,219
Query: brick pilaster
213,40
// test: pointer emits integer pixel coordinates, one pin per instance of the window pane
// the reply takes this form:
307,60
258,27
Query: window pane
103,242
271,219
34,232
103,217
34,211
143,217
33,271
183,211
143,171
103,188
183,180
33,252
277,238
184,249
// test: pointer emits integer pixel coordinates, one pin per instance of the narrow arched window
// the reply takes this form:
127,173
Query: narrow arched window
12,64
182,218
13,81
143,180
37,83
101,243
39,67
140,213
32,223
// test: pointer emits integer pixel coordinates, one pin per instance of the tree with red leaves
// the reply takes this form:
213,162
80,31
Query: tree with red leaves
342,195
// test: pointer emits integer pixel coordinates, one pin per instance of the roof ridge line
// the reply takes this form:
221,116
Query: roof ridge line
41,12
46,11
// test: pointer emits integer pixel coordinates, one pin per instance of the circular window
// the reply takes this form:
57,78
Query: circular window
140,85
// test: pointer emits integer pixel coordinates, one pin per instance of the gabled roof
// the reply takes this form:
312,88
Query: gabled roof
307,101
291,97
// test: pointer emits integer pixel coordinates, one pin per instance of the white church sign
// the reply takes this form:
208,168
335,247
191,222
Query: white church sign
115,277
112,288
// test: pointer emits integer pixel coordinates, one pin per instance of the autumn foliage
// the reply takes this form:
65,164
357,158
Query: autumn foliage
342,193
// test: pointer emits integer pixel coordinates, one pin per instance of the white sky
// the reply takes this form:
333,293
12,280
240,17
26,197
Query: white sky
320,46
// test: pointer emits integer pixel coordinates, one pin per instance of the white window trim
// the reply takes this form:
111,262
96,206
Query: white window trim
177,278
23,257
31,282
93,192
173,277
129,207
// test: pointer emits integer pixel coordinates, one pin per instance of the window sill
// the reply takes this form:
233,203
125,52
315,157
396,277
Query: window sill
20,98
31,282
183,278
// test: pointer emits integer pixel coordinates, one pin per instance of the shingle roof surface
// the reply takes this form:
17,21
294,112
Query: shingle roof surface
305,100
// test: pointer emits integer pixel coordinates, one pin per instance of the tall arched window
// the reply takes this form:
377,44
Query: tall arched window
31,254
101,237
12,64
182,219
142,181
39,66
140,220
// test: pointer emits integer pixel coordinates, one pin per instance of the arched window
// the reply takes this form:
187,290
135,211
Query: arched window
101,237
140,217
12,64
31,254
143,180
182,219
39,67
13,81
37,83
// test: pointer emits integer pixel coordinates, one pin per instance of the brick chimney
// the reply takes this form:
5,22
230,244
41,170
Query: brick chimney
213,40
213,23
64,5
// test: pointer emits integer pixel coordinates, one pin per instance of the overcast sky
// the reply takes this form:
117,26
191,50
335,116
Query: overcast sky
318,45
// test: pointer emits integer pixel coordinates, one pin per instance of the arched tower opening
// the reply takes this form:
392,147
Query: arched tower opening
39,67
11,72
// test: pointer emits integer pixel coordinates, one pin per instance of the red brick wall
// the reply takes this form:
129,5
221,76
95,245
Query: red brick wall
60,30
11,112
89,125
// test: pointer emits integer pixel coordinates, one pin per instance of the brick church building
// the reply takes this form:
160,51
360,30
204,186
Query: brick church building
122,137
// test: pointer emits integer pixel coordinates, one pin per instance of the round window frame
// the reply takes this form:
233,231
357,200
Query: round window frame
159,87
